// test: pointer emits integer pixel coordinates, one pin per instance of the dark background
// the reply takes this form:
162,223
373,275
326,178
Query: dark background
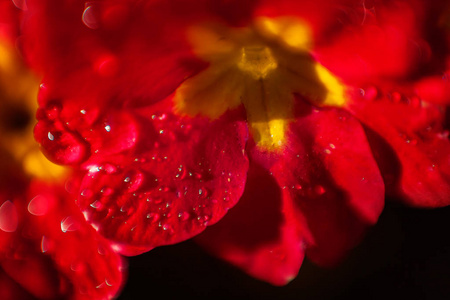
406,256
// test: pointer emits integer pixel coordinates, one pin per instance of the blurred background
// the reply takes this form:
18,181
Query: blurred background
406,255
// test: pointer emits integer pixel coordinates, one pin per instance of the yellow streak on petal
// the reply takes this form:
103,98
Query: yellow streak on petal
269,111
211,93
290,31
335,95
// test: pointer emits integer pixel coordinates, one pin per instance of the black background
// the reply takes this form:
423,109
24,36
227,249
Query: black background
406,255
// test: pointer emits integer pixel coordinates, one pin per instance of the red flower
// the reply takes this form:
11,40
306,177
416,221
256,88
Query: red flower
47,249
301,111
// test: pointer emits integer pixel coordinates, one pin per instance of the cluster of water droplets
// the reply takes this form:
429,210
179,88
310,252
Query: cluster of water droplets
425,129
61,144
166,187
372,93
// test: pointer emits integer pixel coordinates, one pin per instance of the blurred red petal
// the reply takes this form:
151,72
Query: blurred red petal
383,41
55,253
410,145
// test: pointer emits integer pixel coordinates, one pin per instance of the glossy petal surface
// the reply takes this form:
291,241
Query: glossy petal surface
179,176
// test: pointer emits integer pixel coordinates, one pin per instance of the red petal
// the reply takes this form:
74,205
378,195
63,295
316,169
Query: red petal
262,234
109,49
383,40
54,253
11,290
410,145
9,19
179,175
322,193
330,172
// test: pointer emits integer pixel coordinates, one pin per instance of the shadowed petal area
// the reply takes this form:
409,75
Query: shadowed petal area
180,175
11,290
261,234
91,47
54,253
410,144
330,173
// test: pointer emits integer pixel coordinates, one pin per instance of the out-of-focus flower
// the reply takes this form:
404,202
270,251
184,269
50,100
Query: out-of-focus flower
303,111
47,249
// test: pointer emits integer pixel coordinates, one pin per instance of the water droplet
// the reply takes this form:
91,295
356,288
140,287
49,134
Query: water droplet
62,147
52,111
96,204
50,136
38,206
69,224
165,226
101,250
153,217
8,217
107,65
45,244
109,168
203,219
88,193
20,4
181,172
370,93
183,216
396,97
109,282
89,17
107,191
319,190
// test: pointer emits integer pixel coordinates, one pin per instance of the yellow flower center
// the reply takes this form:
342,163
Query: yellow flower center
261,66
18,104
258,61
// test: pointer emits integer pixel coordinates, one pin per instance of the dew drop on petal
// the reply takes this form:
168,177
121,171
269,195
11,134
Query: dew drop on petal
38,206
369,93
50,136
8,217
62,147
319,190
183,216
96,204
44,244
20,4
69,224
89,19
